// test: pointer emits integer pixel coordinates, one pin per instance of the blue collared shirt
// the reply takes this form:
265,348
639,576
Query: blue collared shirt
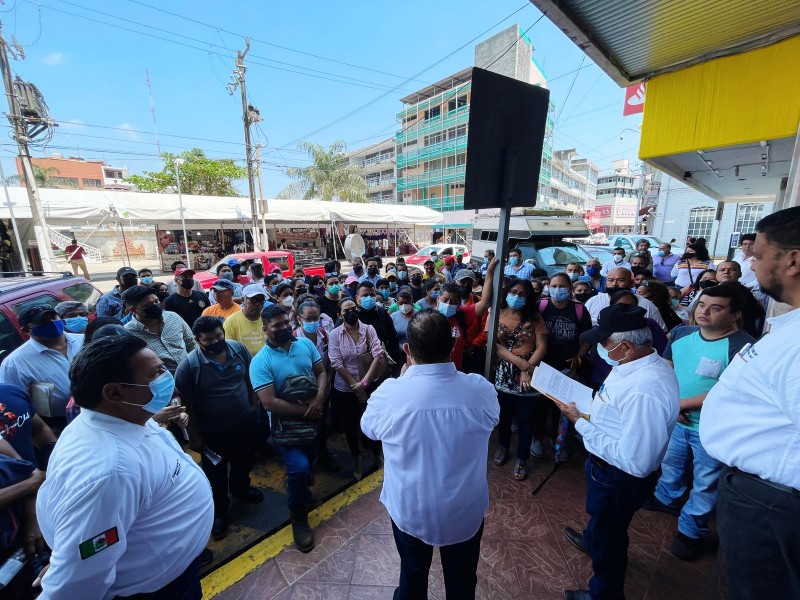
35,363
110,304
435,424
525,271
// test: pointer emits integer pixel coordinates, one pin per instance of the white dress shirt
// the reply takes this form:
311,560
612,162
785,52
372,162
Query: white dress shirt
35,363
435,424
748,277
751,418
632,415
597,303
130,482
610,264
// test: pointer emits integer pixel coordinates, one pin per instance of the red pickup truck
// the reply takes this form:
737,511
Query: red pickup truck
283,259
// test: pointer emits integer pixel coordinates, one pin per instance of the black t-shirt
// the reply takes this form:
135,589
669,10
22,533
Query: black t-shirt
384,327
16,412
417,294
189,308
328,306
564,329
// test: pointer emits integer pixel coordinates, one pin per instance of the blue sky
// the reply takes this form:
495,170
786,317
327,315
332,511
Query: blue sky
92,74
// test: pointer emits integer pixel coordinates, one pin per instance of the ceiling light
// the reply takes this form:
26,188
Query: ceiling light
709,162
763,156
763,143
736,171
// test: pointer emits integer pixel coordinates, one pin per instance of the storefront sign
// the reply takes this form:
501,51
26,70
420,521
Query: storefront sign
634,99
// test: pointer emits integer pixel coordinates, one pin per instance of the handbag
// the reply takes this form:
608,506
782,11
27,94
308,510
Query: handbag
365,362
291,431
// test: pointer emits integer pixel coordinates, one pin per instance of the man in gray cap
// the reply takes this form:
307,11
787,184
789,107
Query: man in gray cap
110,304
632,416
75,316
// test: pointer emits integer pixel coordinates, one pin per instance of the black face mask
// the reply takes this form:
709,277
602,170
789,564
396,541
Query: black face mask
162,295
416,280
636,269
351,317
358,269
466,289
583,297
154,311
704,285
129,281
187,284
614,289
216,348
282,336
372,271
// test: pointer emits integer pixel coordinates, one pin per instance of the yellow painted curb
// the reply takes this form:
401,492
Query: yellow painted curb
230,573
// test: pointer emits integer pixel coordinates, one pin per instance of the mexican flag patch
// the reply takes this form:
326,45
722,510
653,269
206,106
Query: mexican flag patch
98,543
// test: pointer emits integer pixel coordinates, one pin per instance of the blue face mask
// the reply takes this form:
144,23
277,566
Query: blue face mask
367,302
76,324
573,276
448,310
384,293
273,288
334,289
660,253
402,275
392,287
513,260
146,280
435,294
603,353
593,270
310,326
334,273
51,329
559,294
161,387
514,301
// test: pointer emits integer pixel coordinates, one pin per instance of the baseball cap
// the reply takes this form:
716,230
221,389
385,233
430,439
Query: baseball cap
615,319
464,274
126,271
232,262
35,314
223,284
253,290
184,271
449,258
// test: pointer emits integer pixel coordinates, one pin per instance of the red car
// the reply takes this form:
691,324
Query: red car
281,258
441,250
19,293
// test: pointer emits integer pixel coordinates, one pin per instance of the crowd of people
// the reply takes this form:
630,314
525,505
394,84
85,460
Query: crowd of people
688,400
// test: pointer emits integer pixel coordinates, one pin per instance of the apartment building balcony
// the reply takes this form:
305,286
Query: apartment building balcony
458,116
427,153
384,183
432,178
440,204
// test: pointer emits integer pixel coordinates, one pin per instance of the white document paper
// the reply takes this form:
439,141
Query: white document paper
557,386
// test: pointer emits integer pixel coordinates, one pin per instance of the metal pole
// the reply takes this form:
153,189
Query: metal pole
509,167
10,206
639,200
264,206
124,240
181,209
247,141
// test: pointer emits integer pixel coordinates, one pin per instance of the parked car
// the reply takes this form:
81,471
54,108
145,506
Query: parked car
19,293
284,259
628,241
441,250
601,253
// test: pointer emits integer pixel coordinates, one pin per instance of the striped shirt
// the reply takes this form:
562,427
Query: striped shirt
174,343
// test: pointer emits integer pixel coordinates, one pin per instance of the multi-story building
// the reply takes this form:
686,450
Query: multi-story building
79,174
376,164
432,143
617,195
573,183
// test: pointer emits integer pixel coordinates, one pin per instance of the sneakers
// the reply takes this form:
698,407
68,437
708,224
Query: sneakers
251,496
654,504
537,449
686,548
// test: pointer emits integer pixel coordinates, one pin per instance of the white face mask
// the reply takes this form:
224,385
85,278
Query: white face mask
618,258
288,301
406,308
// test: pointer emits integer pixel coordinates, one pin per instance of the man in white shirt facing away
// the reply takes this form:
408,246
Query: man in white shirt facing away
751,423
432,410
632,417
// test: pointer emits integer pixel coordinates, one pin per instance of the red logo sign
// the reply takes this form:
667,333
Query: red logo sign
634,99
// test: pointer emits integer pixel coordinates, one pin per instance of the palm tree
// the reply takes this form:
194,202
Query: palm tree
41,175
328,177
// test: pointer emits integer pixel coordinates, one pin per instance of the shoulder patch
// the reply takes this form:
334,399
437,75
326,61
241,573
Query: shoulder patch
98,543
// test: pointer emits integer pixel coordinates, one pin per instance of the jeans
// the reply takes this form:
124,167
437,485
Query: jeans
686,452
351,410
237,448
184,587
612,498
459,563
298,461
521,406
759,531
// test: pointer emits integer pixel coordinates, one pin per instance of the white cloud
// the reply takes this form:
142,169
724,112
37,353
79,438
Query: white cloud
130,129
53,59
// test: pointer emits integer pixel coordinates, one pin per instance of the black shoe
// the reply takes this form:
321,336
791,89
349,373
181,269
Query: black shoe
686,548
251,496
219,529
577,595
205,557
301,530
327,462
576,539
654,504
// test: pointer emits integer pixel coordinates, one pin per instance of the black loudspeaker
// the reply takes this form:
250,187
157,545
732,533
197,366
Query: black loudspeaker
505,116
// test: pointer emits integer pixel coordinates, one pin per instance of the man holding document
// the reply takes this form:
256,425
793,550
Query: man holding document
626,434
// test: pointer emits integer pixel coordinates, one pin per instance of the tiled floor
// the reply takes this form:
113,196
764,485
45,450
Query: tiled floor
523,552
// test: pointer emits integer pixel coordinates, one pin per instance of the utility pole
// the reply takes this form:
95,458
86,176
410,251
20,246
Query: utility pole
250,115
22,136
261,201
178,162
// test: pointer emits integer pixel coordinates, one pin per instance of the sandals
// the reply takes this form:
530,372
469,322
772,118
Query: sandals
520,470
500,457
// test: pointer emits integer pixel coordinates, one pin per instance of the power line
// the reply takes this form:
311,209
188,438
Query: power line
569,91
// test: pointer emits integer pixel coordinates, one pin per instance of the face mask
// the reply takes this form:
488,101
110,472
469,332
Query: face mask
593,271
76,324
187,284
320,289
147,280
611,290
618,258
513,260
393,271
406,308
334,289
272,288
351,318
603,353
435,294
515,301
226,275
282,336
704,285
416,280
661,253
243,270
216,348
559,294
367,302
358,269
310,326
636,269
288,301
573,276
51,329
676,302
154,311
402,275
301,291
583,297
161,388
546,290
448,310
372,271
384,293
334,273
162,295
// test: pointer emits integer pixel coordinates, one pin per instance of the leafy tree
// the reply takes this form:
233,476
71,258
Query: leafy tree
200,175
328,177
42,176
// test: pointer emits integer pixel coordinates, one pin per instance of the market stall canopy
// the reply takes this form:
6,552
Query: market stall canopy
73,206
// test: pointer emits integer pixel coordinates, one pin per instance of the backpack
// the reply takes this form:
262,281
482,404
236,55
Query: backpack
194,361
579,308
